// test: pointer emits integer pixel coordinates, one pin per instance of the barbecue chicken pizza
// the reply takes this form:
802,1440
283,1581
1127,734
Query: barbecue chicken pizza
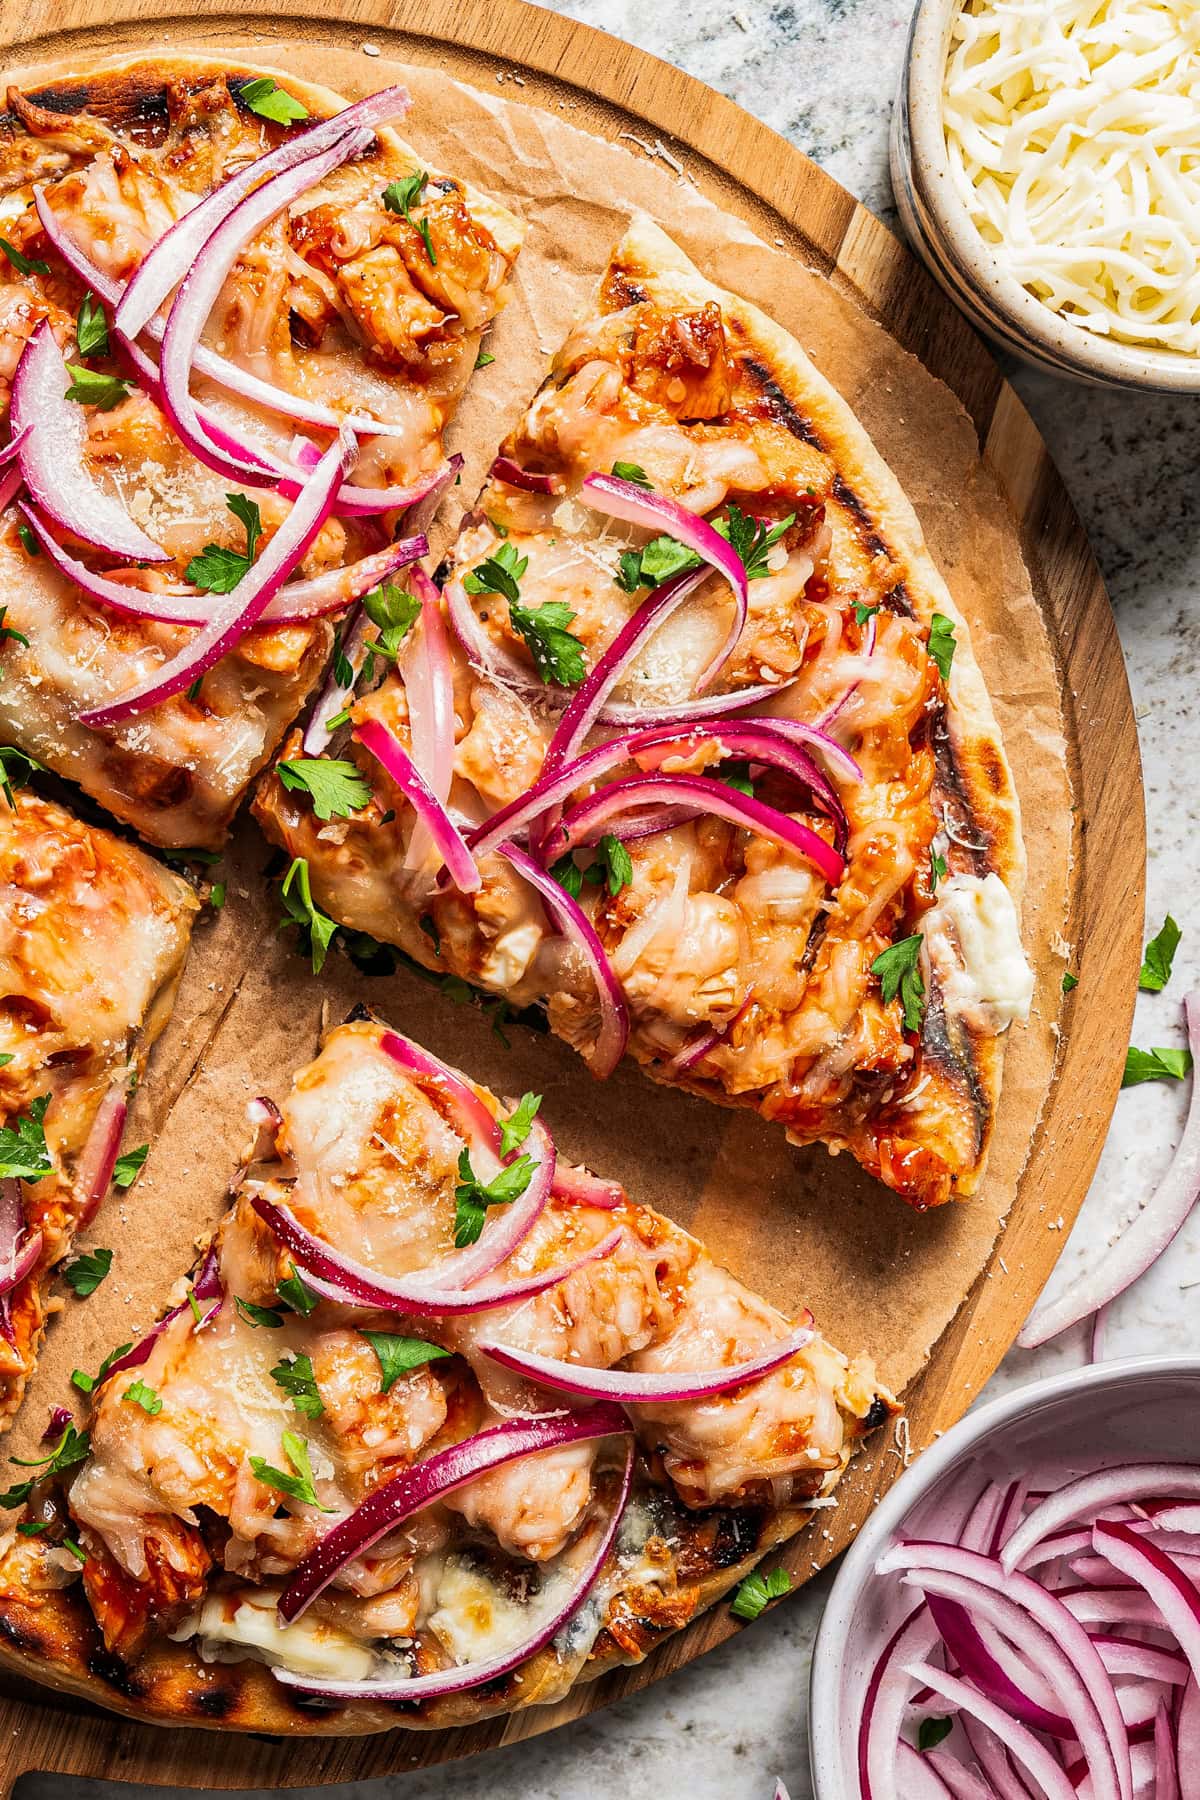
93,935
440,1426
235,316
692,749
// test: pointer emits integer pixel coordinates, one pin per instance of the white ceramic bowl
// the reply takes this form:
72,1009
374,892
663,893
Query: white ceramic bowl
1105,1414
940,229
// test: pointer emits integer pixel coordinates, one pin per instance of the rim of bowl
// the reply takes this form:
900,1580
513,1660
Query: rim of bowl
1102,358
904,1494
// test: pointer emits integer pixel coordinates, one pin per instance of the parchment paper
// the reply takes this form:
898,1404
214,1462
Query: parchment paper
800,1226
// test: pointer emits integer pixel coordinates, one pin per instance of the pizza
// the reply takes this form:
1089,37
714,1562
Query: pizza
93,935
441,1425
692,749
236,316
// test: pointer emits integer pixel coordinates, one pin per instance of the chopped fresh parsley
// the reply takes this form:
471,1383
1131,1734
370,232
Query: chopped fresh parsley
863,612
218,569
1069,981
255,1316
127,1168
336,788
654,563
77,1550
394,610
72,1447
10,633
85,1382
736,775
91,388
299,909
516,1128
300,1485
5,1059
91,327
1160,955
557,654
941,643
484,359
632,472
216,895
752,538
1155,1065
937,870
343,668
25,533
295,1293
399,1354
612,867
473,1197
266,98
401,196
23,1152
757,1591
139,1394
33,1527
85,1274
499,574
24,265
898,972
15,766
294,1374
179,859
930,1732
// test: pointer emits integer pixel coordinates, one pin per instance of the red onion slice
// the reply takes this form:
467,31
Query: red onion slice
589,819
11,483
1157,1573
1032,1755
19,1250
656,512
506,470
412,1490
209,1295
813,738
1166,1774
701,706
888,1689
569,918
1126,1656
920,1779
1142,1242
336,696
234,613
390,753
360,502
99,1156
53,433
1187,1743
1089,1495
429,688
629,1389
960,1783
13,446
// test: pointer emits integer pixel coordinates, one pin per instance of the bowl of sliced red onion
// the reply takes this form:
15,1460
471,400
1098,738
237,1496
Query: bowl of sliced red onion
1020,1618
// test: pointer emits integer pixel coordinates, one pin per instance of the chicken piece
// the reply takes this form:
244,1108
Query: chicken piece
681,360
373,1428
127,1609
532,1505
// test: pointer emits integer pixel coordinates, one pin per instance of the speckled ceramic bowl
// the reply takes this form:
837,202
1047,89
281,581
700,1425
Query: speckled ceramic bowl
1100,1415
940,229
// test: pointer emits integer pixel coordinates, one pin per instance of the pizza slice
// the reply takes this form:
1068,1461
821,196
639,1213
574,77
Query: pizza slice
235,318
93,936
708,769
441,1425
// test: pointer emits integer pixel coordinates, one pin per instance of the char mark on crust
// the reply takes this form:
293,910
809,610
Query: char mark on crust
623,290
211,1702
896,600
957,1060
779,406
736,1535
360,1014
21,1637
845,496
113,1672
878,1413
949,789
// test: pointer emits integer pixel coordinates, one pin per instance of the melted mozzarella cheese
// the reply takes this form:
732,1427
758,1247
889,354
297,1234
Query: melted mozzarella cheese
1071,137
247,1621
973,941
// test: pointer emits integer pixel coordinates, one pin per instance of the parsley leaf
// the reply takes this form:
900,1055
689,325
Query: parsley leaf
898,972
23,1152
757,1591
139,1394
91,327
399,1354
216,895
499,574
85,1382
24,265
1155,1065
300,1485
937,870
266,98
394,610
85,1274
300,910
612,866
655,563
91,388
930,1732
217,569
127,1168
337,788
632,472
473,1197
1160,954
515,1129
14,766
1069,981
33,1527
752,538
483,360
863,612
568,874
295,1294
557,655
736,775
258,1315
400,197
941,643
72,1447
10,632
295,1376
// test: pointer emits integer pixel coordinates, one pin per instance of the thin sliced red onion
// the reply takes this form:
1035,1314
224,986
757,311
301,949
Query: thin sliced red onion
11,483
1166,1772
13,446
234,613
920,1778
99,1155
701,706
888,1689
702,1046
413,1489
1187,1742
1089,1495
629,1389
53,432
569,918
390,753
19,1248
1144,1240
1016,1738
335,696
1126,1656
355,501
209,1296
60,1418
828,718
206,275
428,677
582,1188
812,738
506,470
1110,1606
658,513
962,1783
1006,1784
589,819
1159,1575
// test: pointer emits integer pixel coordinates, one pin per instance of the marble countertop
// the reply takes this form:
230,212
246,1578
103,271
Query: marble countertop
823,73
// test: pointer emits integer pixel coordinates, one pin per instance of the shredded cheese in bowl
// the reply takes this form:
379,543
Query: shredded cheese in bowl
1073,137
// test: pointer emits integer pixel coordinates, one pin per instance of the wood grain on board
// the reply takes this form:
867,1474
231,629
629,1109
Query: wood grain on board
744,167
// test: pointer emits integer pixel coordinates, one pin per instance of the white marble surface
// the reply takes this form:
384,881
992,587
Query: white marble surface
823,72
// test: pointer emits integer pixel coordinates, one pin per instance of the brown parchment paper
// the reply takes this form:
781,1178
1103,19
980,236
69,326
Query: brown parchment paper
800,1226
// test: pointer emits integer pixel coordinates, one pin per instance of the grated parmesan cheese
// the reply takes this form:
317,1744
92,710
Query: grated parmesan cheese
1071,131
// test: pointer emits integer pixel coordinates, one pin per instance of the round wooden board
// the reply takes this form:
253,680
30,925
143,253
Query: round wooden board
749,171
